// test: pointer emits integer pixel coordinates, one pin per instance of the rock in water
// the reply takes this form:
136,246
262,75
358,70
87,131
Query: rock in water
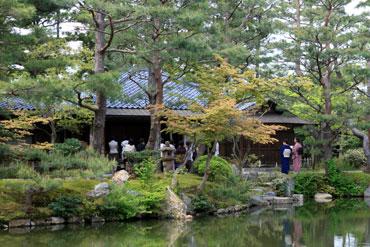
20,223
120,177
323,197
175,207
101,189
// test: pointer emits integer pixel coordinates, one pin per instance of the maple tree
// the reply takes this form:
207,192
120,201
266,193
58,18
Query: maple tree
215,114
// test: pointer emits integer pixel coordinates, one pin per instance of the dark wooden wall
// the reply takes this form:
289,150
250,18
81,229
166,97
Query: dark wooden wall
267,153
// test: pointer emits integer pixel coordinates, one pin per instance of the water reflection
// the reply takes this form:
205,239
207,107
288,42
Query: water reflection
343,223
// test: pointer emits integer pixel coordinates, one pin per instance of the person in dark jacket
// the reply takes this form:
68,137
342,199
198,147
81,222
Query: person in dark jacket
285,154
141,145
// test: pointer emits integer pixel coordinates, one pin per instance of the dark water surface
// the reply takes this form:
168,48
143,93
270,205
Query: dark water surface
341,223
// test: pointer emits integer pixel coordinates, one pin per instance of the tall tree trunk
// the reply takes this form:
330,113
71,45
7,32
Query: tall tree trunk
207,169
98,126
156,77
297,24
53,136
327,132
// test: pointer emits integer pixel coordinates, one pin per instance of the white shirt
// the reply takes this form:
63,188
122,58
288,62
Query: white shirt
113,147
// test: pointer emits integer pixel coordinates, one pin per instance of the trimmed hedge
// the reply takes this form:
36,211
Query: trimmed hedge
219,168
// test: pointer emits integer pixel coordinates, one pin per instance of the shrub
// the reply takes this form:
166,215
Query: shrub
66,206
145,170
219,168
201,204
234,189
125,203
24,171
139,157
6,153
355,157
309,183
69,146
33,154
344,186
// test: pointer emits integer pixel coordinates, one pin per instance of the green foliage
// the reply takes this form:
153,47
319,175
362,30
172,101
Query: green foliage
26,172
30,163
132,201
66,206
6,153
139,157
69,146
309,183
201,204
355,157
234,190
145,170
219,168
34,154
344,185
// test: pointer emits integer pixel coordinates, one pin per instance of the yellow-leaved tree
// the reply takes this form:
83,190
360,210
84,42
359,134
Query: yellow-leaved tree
217,114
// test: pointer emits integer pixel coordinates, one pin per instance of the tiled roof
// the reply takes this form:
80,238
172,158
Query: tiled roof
134,85
16,104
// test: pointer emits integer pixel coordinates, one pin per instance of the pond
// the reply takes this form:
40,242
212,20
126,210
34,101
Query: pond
340,223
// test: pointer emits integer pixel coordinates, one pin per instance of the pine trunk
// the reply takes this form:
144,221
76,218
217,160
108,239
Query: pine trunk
156,80
98,127
327,132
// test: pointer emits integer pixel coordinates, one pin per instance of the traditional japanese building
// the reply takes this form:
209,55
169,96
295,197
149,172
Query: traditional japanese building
129,119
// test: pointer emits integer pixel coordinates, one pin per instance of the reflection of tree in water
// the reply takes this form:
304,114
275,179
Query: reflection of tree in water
322,222
310,225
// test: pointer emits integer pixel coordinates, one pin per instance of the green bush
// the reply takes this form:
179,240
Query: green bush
33,154
66,206
145,170
139,157
219,168
201,204
124,202
355,157
69,146
344,186
234,189
6,153
309,183
9,171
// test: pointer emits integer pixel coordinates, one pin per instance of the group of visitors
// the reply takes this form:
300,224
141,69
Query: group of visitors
293,152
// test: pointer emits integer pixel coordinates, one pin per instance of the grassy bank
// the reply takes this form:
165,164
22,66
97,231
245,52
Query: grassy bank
68,197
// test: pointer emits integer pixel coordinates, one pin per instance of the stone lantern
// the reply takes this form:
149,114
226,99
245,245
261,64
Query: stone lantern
168,157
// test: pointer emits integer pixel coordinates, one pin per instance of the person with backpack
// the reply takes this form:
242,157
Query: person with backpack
297,155
285,154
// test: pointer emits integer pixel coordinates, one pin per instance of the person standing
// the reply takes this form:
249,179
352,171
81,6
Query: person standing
285,153
297,155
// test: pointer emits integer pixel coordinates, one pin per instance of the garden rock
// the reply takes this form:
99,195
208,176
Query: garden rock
187,201
57,220
42,222
75,220
175,207
270,193
20,223
367,192
97,219
282,200
298,198
258,201
323,197
120,177
101,189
